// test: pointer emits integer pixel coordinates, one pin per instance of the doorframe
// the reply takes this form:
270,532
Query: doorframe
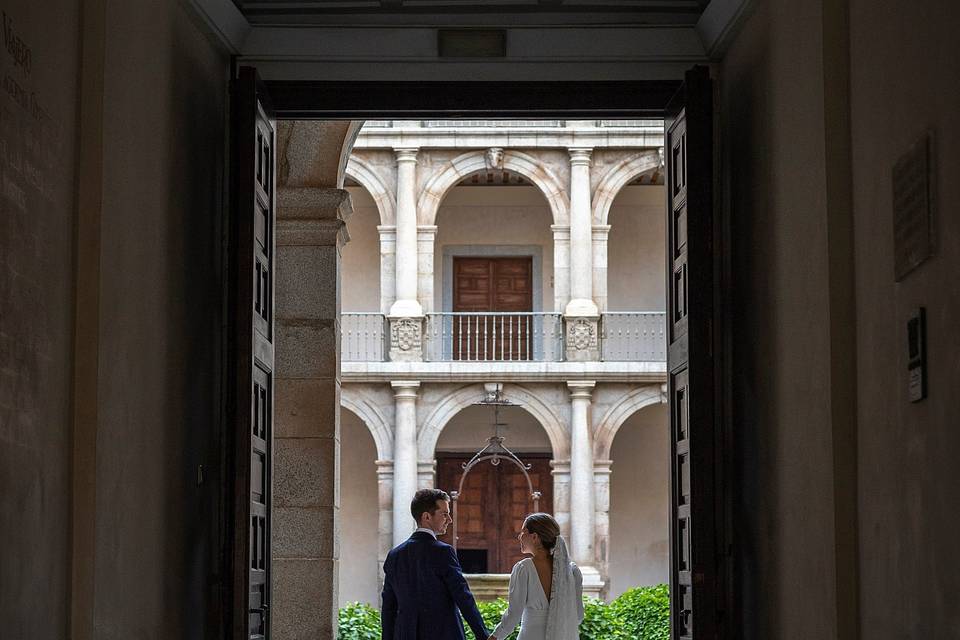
573,100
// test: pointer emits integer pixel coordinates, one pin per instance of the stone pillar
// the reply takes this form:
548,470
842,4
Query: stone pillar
306,495
560,469
561,266
426,239
427,474
385,514
581,314
388,267
404,457
601,232
581,236
581,473
601,483
406,314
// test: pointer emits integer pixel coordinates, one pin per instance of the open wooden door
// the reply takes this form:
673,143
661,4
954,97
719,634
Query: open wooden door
250,411
694,579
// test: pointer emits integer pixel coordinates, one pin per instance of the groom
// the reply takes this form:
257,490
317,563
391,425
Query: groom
424,591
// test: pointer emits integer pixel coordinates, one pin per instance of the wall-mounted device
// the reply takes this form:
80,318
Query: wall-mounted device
917,355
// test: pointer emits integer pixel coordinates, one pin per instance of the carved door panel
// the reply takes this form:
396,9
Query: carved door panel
499,286
690,360
250,425
492,507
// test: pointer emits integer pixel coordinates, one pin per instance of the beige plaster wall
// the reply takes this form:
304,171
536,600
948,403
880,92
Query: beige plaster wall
358,512
469,429
360,258
904,81
772,135
37,173
495,216
635,253
640,501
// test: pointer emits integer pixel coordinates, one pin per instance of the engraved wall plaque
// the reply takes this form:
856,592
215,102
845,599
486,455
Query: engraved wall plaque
913,207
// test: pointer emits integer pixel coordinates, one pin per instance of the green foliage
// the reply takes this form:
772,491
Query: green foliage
492,611
644,612
599,621
358,621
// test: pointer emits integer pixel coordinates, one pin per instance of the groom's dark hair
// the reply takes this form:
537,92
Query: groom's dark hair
425,501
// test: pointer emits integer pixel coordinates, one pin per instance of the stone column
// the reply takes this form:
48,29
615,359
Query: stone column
388,267
581,236
582,490
560,469
601,233
406,314
561,266
404,457
385,514
426,239
581,314
601,484
306,495
426,474
581,473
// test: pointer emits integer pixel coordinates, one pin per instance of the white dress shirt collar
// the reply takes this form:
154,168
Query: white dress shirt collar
425,530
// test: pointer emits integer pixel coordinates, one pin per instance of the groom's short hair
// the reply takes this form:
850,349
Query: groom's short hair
425,501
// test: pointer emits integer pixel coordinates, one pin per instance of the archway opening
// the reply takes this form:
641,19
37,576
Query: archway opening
639,501
494,499
359,579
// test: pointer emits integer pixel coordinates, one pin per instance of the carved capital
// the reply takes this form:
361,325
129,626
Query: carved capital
406,154
580,156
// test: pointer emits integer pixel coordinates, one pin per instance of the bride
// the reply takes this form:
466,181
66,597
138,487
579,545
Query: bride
546,590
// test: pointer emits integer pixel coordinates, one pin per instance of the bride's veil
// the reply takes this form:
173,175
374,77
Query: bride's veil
562,622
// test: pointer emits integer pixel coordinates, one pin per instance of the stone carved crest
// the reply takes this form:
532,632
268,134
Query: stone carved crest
494,158
582,334
405,335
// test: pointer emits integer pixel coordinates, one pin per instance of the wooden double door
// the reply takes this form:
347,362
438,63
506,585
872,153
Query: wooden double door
491,509
495,296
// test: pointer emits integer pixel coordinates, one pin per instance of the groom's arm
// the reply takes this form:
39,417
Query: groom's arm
388,607
460,592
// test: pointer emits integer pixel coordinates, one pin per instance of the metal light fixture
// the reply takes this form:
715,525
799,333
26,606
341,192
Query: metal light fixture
494,450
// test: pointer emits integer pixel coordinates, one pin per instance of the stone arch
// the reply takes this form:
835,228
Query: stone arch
616,415
373,417
618,176
472,162
314,153
434,423
361,171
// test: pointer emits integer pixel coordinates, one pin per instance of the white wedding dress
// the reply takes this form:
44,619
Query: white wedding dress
540,617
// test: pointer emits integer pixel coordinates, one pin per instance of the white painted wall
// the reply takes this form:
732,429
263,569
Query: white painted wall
635,268
360,258
639,501
495,216
358,512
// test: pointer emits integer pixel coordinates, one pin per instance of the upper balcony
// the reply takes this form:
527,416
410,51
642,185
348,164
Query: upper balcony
518,345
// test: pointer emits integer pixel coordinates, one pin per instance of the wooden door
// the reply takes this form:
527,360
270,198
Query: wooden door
250,415
502,290
491,509
690,361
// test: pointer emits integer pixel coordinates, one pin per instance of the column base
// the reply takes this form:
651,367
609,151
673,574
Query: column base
593,584
406,338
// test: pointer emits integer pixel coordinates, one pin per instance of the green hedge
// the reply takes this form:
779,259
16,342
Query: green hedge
642,613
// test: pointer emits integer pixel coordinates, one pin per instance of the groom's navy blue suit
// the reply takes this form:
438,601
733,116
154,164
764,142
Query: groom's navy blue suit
424,592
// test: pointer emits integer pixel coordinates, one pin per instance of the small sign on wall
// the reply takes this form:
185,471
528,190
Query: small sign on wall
913,203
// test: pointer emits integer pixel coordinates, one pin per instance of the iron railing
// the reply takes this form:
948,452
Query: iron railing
494,337
633,336
363,337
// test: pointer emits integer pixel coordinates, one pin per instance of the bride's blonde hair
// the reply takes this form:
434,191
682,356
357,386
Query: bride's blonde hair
545,527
